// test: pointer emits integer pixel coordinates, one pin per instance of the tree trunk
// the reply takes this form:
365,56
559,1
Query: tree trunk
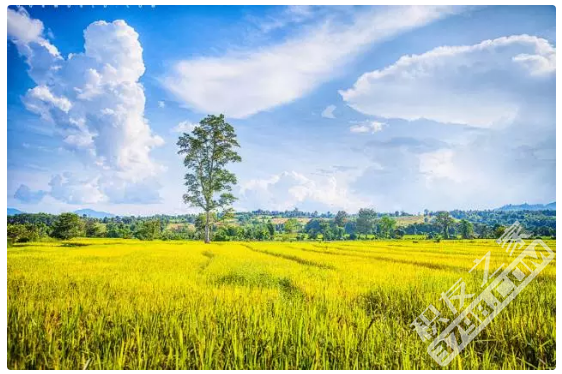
207,239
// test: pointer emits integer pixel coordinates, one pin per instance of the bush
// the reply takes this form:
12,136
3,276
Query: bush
18,233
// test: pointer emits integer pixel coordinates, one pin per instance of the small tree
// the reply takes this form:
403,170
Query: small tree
208,149
466,229
95,229
271,229
387,225
444,221
148,230
290,225
68,226
340,219
365,221
399,233
498,230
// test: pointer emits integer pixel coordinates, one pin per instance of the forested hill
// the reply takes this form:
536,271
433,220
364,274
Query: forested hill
551,206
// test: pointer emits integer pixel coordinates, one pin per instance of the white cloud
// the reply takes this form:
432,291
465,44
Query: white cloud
292,189
72,190
161,104
22,28
482,85
242,84
75,189
27,34
184,126
329,111
94,98
440,164
368,126
41,100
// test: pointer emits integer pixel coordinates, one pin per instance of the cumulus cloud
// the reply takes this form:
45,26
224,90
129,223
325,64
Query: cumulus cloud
73,190
291,189
329,111
40,100
484,85
27,34
94,98
161,104
23,29
184,126
120,192
367,126
244,83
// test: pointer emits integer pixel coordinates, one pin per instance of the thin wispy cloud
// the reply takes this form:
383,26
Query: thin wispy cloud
244,83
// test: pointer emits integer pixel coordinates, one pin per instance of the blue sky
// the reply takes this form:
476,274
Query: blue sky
335,107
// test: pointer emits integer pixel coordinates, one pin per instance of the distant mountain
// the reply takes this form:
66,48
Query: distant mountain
506,208
13,212
93,213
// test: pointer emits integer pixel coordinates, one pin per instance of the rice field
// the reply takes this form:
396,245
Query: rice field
127,304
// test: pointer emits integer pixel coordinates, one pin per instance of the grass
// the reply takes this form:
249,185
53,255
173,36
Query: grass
126,304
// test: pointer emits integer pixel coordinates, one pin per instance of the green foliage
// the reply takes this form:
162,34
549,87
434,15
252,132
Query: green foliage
445,221
249,225
341,218
499,230
466,229
365,223
386,227
95,229
207,150
271,229
148,230
291,225
21,233
399,233
68,226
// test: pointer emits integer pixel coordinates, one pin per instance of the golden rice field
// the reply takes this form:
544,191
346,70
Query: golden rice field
126,304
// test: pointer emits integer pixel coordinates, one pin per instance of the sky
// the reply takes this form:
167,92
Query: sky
335,108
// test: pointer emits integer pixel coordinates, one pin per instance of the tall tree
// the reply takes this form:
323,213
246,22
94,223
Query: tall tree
466,229
387,225
341,218
445,221
208,149
271,229
365,221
